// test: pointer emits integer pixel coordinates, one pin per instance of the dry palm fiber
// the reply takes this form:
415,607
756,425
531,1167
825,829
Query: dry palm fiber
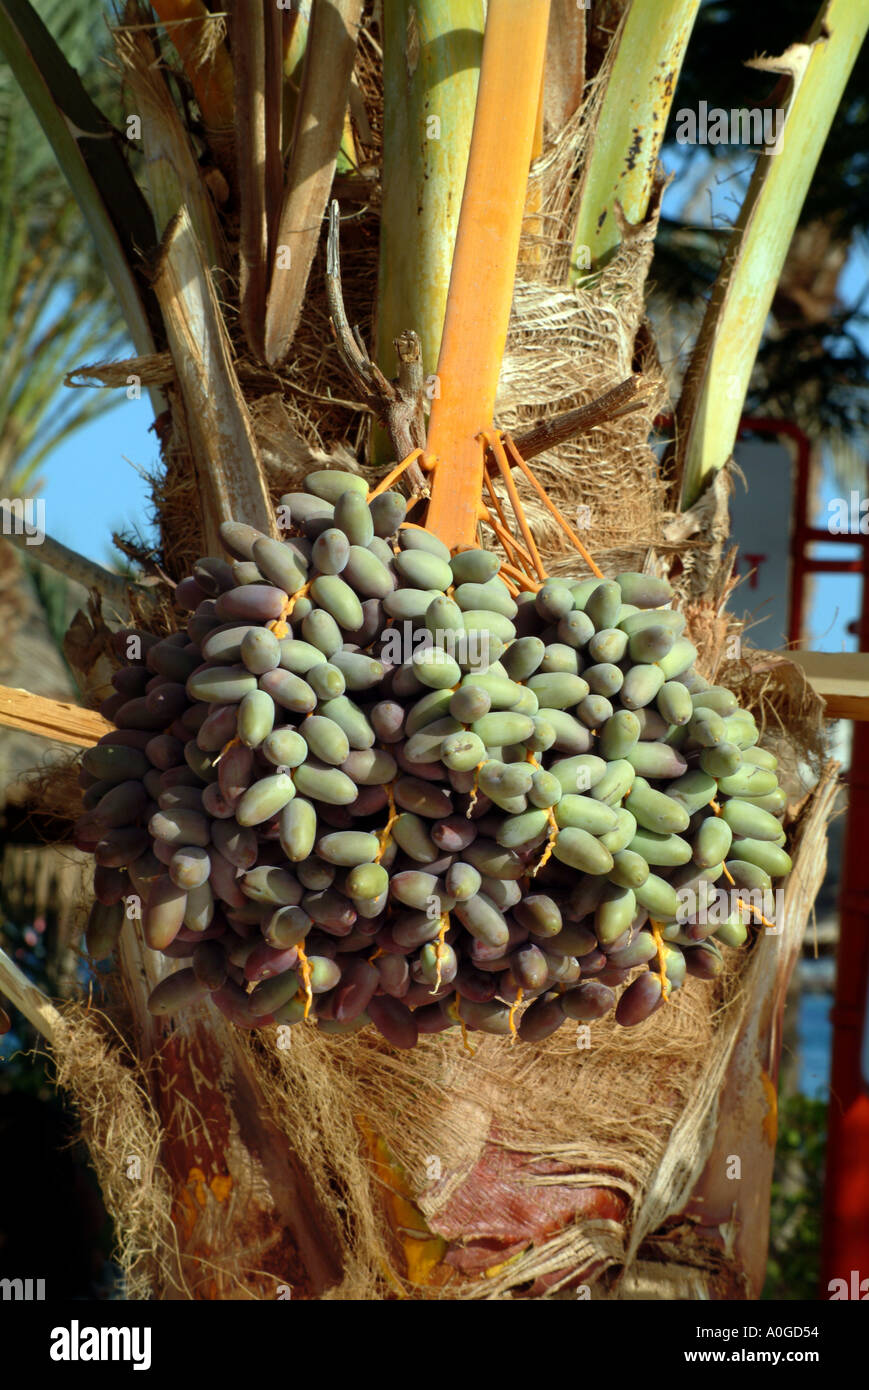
121,1129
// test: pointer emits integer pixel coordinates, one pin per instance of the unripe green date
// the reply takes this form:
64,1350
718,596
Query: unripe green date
750,822
326,739
643,590
582,851
585,813
265,799
674,703
557,689
619,735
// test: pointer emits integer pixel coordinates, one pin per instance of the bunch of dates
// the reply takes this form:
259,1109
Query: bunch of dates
371,784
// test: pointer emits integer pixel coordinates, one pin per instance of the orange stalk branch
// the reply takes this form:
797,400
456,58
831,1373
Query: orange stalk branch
513,548
495,500
494,442
393,477
522,580
545,498
511,545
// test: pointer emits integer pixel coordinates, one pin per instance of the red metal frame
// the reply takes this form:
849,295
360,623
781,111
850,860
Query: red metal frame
845,1245
802,534
845,1240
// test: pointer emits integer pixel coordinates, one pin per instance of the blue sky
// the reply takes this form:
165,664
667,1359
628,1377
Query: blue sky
91,486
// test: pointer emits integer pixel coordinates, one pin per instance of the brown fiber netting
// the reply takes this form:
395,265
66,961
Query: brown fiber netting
122,1131
535,1165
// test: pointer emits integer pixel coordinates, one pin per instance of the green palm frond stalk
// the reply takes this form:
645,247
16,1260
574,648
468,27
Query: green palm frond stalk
632,116
431,64
709,410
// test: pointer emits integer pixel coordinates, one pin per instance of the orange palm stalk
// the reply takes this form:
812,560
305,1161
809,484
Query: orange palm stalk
484,263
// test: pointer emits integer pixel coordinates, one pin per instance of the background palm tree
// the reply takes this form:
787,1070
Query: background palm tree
55,304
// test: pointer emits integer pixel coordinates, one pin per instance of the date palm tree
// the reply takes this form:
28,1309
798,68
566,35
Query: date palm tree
239,285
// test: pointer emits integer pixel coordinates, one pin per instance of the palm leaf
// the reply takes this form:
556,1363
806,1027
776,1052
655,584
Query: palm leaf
107,193
717,379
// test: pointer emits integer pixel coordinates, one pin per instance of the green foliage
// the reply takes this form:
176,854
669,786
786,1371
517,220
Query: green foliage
797,1195
57,309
